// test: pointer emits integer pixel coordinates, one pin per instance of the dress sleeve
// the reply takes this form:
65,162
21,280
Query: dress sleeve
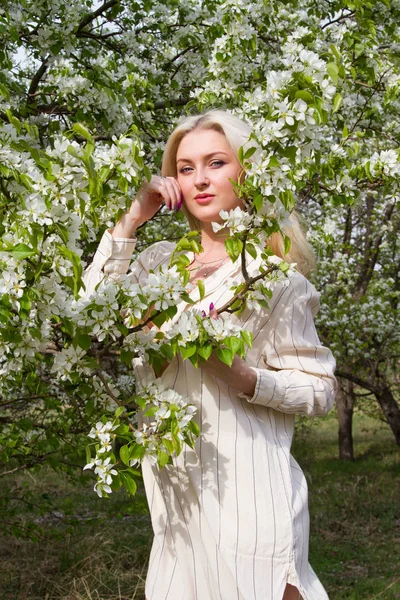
298,376
112,258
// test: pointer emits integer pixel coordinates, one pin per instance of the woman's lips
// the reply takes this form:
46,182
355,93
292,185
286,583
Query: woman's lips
203,199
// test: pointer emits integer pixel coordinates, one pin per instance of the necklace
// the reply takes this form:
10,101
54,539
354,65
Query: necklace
217,263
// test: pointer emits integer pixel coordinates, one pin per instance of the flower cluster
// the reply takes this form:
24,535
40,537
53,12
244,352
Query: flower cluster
164,288
104,469
237,220
166,424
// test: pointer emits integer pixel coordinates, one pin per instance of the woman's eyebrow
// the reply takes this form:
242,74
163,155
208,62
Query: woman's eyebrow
206,156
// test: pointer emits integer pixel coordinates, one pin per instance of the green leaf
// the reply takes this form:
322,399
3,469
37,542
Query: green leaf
73,152
202,289
88,455
333,71
147,173
249,152
151,411
163,458
247,337
225,355
337,102
335,51
205,351
233,247
289,152
4,91
304,95
83,341
20,251
187,351
194,428
251,249
79,129
287,199
169,445
119,411
128,483
233,343
287,243
167,351
258,202
124,454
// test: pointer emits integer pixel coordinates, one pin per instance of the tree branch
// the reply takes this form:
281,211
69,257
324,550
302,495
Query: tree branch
36,79
112,395
243,260
357,380
251,281
92,16
341,18
372,253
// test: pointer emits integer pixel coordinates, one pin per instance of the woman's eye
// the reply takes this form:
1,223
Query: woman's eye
217,163
185,169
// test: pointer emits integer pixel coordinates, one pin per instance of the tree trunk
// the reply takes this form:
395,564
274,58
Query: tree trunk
390,409
345,406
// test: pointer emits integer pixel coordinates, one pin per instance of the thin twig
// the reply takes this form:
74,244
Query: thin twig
249,284
341,18
92,16
112,395
243,260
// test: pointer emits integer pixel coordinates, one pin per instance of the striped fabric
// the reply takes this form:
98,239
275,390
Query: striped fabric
230,517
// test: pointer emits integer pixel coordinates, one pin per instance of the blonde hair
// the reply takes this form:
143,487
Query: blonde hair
237,134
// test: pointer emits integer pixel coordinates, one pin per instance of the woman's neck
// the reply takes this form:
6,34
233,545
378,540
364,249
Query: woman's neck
213,242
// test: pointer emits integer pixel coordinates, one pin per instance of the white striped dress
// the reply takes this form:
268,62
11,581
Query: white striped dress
230,517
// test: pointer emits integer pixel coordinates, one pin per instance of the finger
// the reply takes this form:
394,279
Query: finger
162,189
179,195
170,186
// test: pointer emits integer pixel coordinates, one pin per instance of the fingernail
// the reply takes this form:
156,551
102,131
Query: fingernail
182,198
212,306
178,206
203,313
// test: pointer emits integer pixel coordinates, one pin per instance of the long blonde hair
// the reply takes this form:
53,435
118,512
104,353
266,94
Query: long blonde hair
237,134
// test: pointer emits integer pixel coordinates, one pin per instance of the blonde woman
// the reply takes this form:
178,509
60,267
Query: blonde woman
230,517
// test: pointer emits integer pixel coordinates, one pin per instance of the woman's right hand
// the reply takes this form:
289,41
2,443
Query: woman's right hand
151,195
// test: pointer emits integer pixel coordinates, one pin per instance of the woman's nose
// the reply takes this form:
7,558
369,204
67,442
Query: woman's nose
201,179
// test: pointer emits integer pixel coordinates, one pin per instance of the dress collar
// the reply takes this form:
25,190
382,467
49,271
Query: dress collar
218,277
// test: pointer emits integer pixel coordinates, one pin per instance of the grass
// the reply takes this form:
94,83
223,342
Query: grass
93,549
355,510
87,548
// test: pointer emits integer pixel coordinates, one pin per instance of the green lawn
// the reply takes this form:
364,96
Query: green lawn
355,510
89,548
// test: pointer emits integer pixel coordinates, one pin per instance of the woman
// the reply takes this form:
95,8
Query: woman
230,517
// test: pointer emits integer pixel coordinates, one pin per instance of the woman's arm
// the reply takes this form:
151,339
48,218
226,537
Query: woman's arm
114,253
294,373
147,202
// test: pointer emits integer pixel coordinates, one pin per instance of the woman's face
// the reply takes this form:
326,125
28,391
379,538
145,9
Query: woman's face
205,163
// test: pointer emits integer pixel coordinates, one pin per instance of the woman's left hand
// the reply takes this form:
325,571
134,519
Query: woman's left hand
239,376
